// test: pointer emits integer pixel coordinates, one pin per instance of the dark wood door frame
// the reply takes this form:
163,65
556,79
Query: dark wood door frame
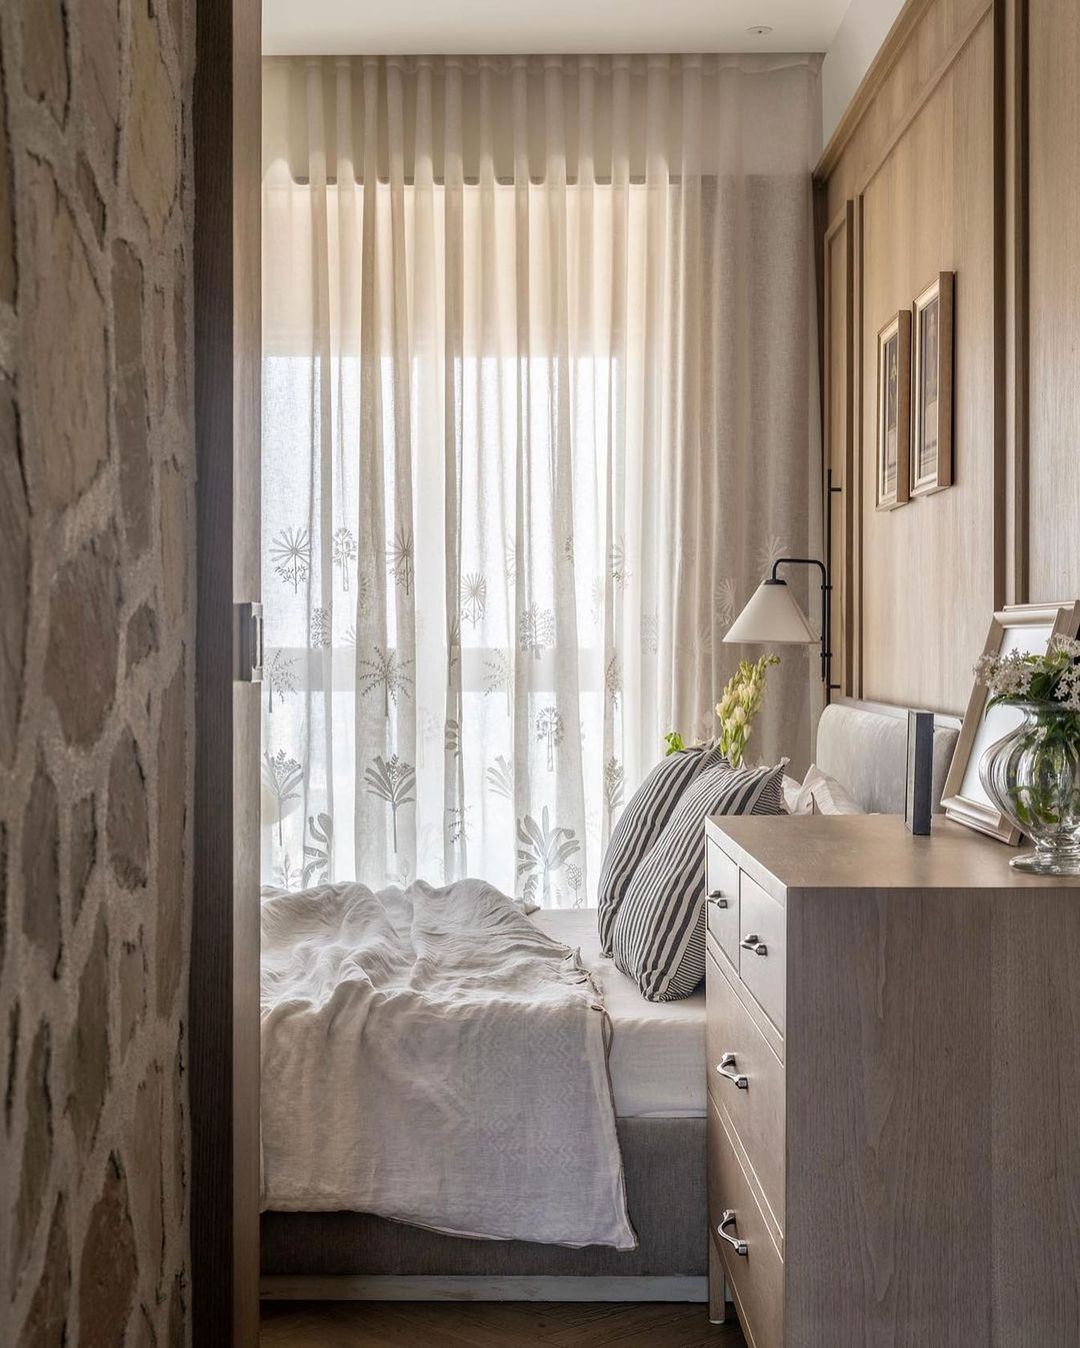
223,1050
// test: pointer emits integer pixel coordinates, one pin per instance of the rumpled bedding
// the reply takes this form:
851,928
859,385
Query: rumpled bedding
430,1056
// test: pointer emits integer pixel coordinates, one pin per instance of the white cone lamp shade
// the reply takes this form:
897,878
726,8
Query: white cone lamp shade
772,618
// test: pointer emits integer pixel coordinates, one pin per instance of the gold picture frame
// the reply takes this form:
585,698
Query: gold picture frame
894,411
1024,627
932,382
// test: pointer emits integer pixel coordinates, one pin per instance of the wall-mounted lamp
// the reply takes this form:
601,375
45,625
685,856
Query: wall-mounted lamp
773,618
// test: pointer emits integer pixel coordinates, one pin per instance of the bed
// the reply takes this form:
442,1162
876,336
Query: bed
658,1087
656,1063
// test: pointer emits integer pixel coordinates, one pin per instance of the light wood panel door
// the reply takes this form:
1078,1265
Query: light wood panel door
1054,289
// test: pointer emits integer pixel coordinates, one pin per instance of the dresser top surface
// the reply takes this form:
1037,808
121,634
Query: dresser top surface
872,851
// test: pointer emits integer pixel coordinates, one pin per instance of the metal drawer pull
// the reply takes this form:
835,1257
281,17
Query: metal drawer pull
728,1219
717,896
728,1062
752,942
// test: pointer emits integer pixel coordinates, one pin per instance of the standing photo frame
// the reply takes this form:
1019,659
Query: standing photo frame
1022,627
932,378
894,411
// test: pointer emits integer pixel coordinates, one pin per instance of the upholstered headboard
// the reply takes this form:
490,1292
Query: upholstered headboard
864,746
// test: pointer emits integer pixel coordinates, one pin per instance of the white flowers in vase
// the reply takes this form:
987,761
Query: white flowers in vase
1052,678
740,703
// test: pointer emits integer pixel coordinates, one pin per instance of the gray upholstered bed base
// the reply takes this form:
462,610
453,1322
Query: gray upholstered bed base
664,1166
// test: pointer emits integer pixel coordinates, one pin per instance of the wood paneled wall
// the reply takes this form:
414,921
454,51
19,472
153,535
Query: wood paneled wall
1053,129
957,154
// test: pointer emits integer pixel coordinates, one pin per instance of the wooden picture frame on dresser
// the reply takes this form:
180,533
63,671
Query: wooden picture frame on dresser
894,1081
1027,627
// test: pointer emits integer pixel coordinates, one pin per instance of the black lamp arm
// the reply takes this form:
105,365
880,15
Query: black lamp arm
826,590
803,561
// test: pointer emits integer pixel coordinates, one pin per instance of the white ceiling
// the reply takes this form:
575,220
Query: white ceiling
480,27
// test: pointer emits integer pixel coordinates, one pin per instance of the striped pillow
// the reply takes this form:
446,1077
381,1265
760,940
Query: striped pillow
658,936
641,823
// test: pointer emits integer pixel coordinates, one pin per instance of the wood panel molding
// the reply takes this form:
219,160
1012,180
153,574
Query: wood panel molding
1014,202
1052,163
912,106
838,440
857,684
871,84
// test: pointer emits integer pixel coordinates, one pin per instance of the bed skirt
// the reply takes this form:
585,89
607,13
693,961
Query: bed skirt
664,1169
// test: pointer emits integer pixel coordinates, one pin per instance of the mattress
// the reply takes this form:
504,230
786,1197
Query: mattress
657,1057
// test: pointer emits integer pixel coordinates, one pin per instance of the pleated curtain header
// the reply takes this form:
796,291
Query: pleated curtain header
516,118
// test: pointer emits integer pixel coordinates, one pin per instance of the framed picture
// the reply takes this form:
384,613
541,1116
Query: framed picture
893,411
931,453
1023,627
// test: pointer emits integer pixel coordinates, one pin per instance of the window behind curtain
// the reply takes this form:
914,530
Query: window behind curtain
527,445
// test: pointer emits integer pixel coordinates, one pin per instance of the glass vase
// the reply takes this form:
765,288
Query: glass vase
1033,777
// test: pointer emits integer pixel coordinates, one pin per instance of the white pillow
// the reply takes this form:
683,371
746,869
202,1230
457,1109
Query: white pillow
796,800
828,796
818,794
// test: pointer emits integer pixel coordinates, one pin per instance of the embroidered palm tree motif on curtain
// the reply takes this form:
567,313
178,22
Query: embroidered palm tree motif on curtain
538,412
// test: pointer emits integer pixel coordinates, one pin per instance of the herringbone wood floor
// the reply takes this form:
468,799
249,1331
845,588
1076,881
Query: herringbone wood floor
503,1324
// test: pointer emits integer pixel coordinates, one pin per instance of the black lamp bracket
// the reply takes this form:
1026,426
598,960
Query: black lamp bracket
826,586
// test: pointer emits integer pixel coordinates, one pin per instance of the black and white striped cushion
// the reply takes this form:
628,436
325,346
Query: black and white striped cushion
640,825
658,936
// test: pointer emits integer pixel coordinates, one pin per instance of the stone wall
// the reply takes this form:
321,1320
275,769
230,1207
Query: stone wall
96,579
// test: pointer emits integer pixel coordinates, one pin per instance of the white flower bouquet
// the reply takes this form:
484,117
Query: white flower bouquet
1052,678
1032,774
740,703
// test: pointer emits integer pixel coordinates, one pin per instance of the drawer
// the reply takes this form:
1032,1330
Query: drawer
763,968
722,902
757,1277
755,1110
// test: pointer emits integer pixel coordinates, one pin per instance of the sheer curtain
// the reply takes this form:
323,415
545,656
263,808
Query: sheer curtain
539,409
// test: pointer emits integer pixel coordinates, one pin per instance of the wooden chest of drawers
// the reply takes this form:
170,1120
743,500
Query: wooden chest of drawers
893,1057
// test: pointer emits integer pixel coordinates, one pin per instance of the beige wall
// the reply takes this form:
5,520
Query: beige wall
847,58
916,183
96,571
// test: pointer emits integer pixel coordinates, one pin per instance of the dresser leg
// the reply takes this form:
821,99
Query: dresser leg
717,1286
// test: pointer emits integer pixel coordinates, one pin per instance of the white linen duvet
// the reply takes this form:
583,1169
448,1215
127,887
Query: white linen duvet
429,1055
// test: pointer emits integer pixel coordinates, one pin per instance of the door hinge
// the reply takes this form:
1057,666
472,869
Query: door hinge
248,643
